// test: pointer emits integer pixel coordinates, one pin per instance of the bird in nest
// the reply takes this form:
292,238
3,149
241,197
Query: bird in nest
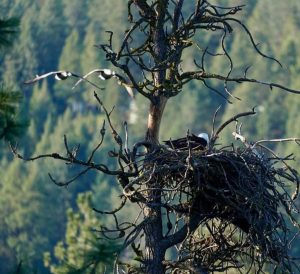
192,141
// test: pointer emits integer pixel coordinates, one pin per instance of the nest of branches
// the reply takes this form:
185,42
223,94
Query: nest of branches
238,198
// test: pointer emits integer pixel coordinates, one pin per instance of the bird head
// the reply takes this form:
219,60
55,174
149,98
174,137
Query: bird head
204,136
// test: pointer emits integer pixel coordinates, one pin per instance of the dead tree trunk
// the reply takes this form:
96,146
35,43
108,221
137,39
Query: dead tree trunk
154,251
154,118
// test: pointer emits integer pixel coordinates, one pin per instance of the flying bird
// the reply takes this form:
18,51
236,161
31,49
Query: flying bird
106,74
193,141
63,75
58,75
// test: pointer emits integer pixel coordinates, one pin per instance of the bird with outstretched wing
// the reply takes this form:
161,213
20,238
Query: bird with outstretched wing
58,75
105,74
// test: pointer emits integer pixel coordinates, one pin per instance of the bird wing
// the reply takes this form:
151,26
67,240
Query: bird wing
180,143
129,90
40,77
86,75
121,81
124,83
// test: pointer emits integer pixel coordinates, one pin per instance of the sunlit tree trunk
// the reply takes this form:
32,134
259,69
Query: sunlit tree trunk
154,252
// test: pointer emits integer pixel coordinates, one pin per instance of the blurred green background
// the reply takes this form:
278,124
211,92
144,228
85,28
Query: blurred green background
61,34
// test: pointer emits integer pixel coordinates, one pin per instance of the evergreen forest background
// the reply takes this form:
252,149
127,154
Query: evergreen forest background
38,218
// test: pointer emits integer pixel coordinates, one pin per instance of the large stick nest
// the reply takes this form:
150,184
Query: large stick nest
240,199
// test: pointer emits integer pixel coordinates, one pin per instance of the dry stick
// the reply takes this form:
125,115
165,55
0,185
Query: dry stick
66,183
295,194
214,122
101,167
252,40
296,140
232,119
200,75
231,65
102,132
113,211
251,80
115,134
127,36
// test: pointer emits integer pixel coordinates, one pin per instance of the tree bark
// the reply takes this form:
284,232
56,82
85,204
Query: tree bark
154,118
154,251
159,101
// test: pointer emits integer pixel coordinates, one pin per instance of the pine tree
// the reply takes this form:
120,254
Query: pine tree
8,31
11,125
82,252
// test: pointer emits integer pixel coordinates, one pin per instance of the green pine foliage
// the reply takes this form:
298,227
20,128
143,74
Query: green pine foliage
8,30
82,251
70,60
75,14
61,35
11,124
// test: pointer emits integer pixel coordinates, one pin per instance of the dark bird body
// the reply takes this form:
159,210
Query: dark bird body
190,141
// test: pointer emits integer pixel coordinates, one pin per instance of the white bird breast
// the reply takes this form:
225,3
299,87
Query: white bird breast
62,75
108,72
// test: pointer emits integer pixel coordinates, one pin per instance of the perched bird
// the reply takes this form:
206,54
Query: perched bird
193,141
106,74
58,75
204,136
